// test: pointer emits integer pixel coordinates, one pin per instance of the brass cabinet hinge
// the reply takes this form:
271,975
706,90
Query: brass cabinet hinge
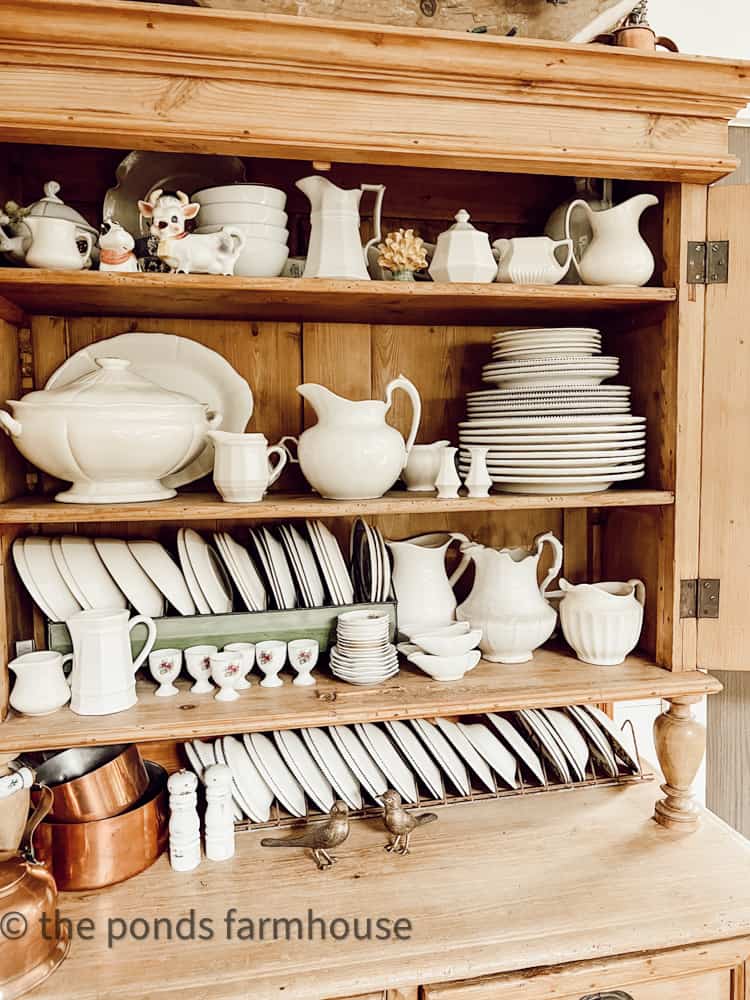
699,598
708,263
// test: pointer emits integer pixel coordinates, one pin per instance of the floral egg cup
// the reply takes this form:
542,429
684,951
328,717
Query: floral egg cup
226,671
165,666
198,662
303,656
270,656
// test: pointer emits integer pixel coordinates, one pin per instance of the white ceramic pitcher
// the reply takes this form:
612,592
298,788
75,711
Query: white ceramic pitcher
602,621
242,465
336,249
531,260
617,253
41,686
103,680
424,590
507,602
352,453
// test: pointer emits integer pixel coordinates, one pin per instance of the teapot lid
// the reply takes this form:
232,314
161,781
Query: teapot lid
111,384
54,208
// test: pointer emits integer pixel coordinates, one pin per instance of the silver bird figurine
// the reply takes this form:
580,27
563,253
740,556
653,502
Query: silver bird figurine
400,824
320,838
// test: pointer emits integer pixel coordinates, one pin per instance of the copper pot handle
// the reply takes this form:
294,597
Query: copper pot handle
667,43
43,808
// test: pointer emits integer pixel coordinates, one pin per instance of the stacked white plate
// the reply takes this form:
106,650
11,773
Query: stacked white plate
544,341
558,454
304,770
371,565
551,369
563,400
258,212
363,653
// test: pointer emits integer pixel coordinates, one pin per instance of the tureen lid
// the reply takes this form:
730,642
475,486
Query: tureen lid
462,228
55,208
112,384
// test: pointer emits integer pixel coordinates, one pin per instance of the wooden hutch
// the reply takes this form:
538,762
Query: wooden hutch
558,895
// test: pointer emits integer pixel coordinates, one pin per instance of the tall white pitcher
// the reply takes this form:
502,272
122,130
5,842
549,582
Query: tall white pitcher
423,589
103,679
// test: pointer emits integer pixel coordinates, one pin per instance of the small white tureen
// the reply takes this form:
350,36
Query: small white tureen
111,433
463,253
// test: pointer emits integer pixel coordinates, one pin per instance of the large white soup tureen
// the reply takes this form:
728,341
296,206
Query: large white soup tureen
111,433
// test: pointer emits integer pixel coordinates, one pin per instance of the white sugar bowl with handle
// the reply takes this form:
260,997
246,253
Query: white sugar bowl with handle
463,253
602,621
352,453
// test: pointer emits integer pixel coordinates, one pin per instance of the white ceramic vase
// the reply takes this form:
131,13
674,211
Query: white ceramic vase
602,621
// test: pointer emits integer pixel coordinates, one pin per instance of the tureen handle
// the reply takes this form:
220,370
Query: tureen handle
402,382
11,427
557,559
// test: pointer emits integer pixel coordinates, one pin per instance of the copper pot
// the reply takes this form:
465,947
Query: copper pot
637,36
30,951
94,782
102,852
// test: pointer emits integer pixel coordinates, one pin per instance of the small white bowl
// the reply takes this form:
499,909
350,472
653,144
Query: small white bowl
256,194
261,259
448,645
450,628
227,213
446,668
277,234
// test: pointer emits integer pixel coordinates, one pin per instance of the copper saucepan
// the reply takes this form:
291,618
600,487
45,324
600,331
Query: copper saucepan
94,783
103,852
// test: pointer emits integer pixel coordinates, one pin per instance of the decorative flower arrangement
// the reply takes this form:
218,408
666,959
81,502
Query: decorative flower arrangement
402,253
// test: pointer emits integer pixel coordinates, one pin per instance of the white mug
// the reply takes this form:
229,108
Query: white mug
242,465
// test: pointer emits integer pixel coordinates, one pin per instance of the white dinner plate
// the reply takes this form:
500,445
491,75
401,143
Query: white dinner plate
256,793
518,744
165,573
337,562
621,739
360,761
500,759
303,766
180,365
388,759
324,563
554,469
561,409
309,567
201,755
540,442
131,578
444,754
564,486
233,570
574,745
49,582
546,741
467,752
540,456
415,753
90,573
295,565
554,392
333,766
22,568
281,569
191,577
253,585
264,560
599,744
210,572
558,425
276,774
239,804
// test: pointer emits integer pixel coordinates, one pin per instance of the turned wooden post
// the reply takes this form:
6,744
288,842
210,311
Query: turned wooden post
680,745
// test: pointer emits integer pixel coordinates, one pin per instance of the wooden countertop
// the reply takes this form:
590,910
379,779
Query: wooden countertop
492,887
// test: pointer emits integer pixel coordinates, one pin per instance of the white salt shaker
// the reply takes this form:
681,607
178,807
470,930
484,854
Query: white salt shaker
447,482
219,814
184,822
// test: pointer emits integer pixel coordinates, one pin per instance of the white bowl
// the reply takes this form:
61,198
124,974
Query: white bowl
227,213
446,668
258,230
261,259
255,194
454,628
448,645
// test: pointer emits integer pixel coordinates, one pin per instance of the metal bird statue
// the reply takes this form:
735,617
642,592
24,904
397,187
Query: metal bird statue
319,838
400,824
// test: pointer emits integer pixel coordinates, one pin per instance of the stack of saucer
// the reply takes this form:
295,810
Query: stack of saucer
363,653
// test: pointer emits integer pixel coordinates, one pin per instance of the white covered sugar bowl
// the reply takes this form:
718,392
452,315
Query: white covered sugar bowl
111,433
463,253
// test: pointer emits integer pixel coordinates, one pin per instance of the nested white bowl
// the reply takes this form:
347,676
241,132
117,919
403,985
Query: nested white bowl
227,213
253,230
448,645
446,668
449,629
256,194
261,259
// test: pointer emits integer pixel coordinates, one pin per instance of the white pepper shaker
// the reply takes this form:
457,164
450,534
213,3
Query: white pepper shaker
184,822
219,813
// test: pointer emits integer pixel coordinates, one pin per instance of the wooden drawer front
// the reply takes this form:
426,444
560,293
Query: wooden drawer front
713,985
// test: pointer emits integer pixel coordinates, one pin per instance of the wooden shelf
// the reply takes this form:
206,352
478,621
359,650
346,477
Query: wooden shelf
279,506
202,296
552,678
492,887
